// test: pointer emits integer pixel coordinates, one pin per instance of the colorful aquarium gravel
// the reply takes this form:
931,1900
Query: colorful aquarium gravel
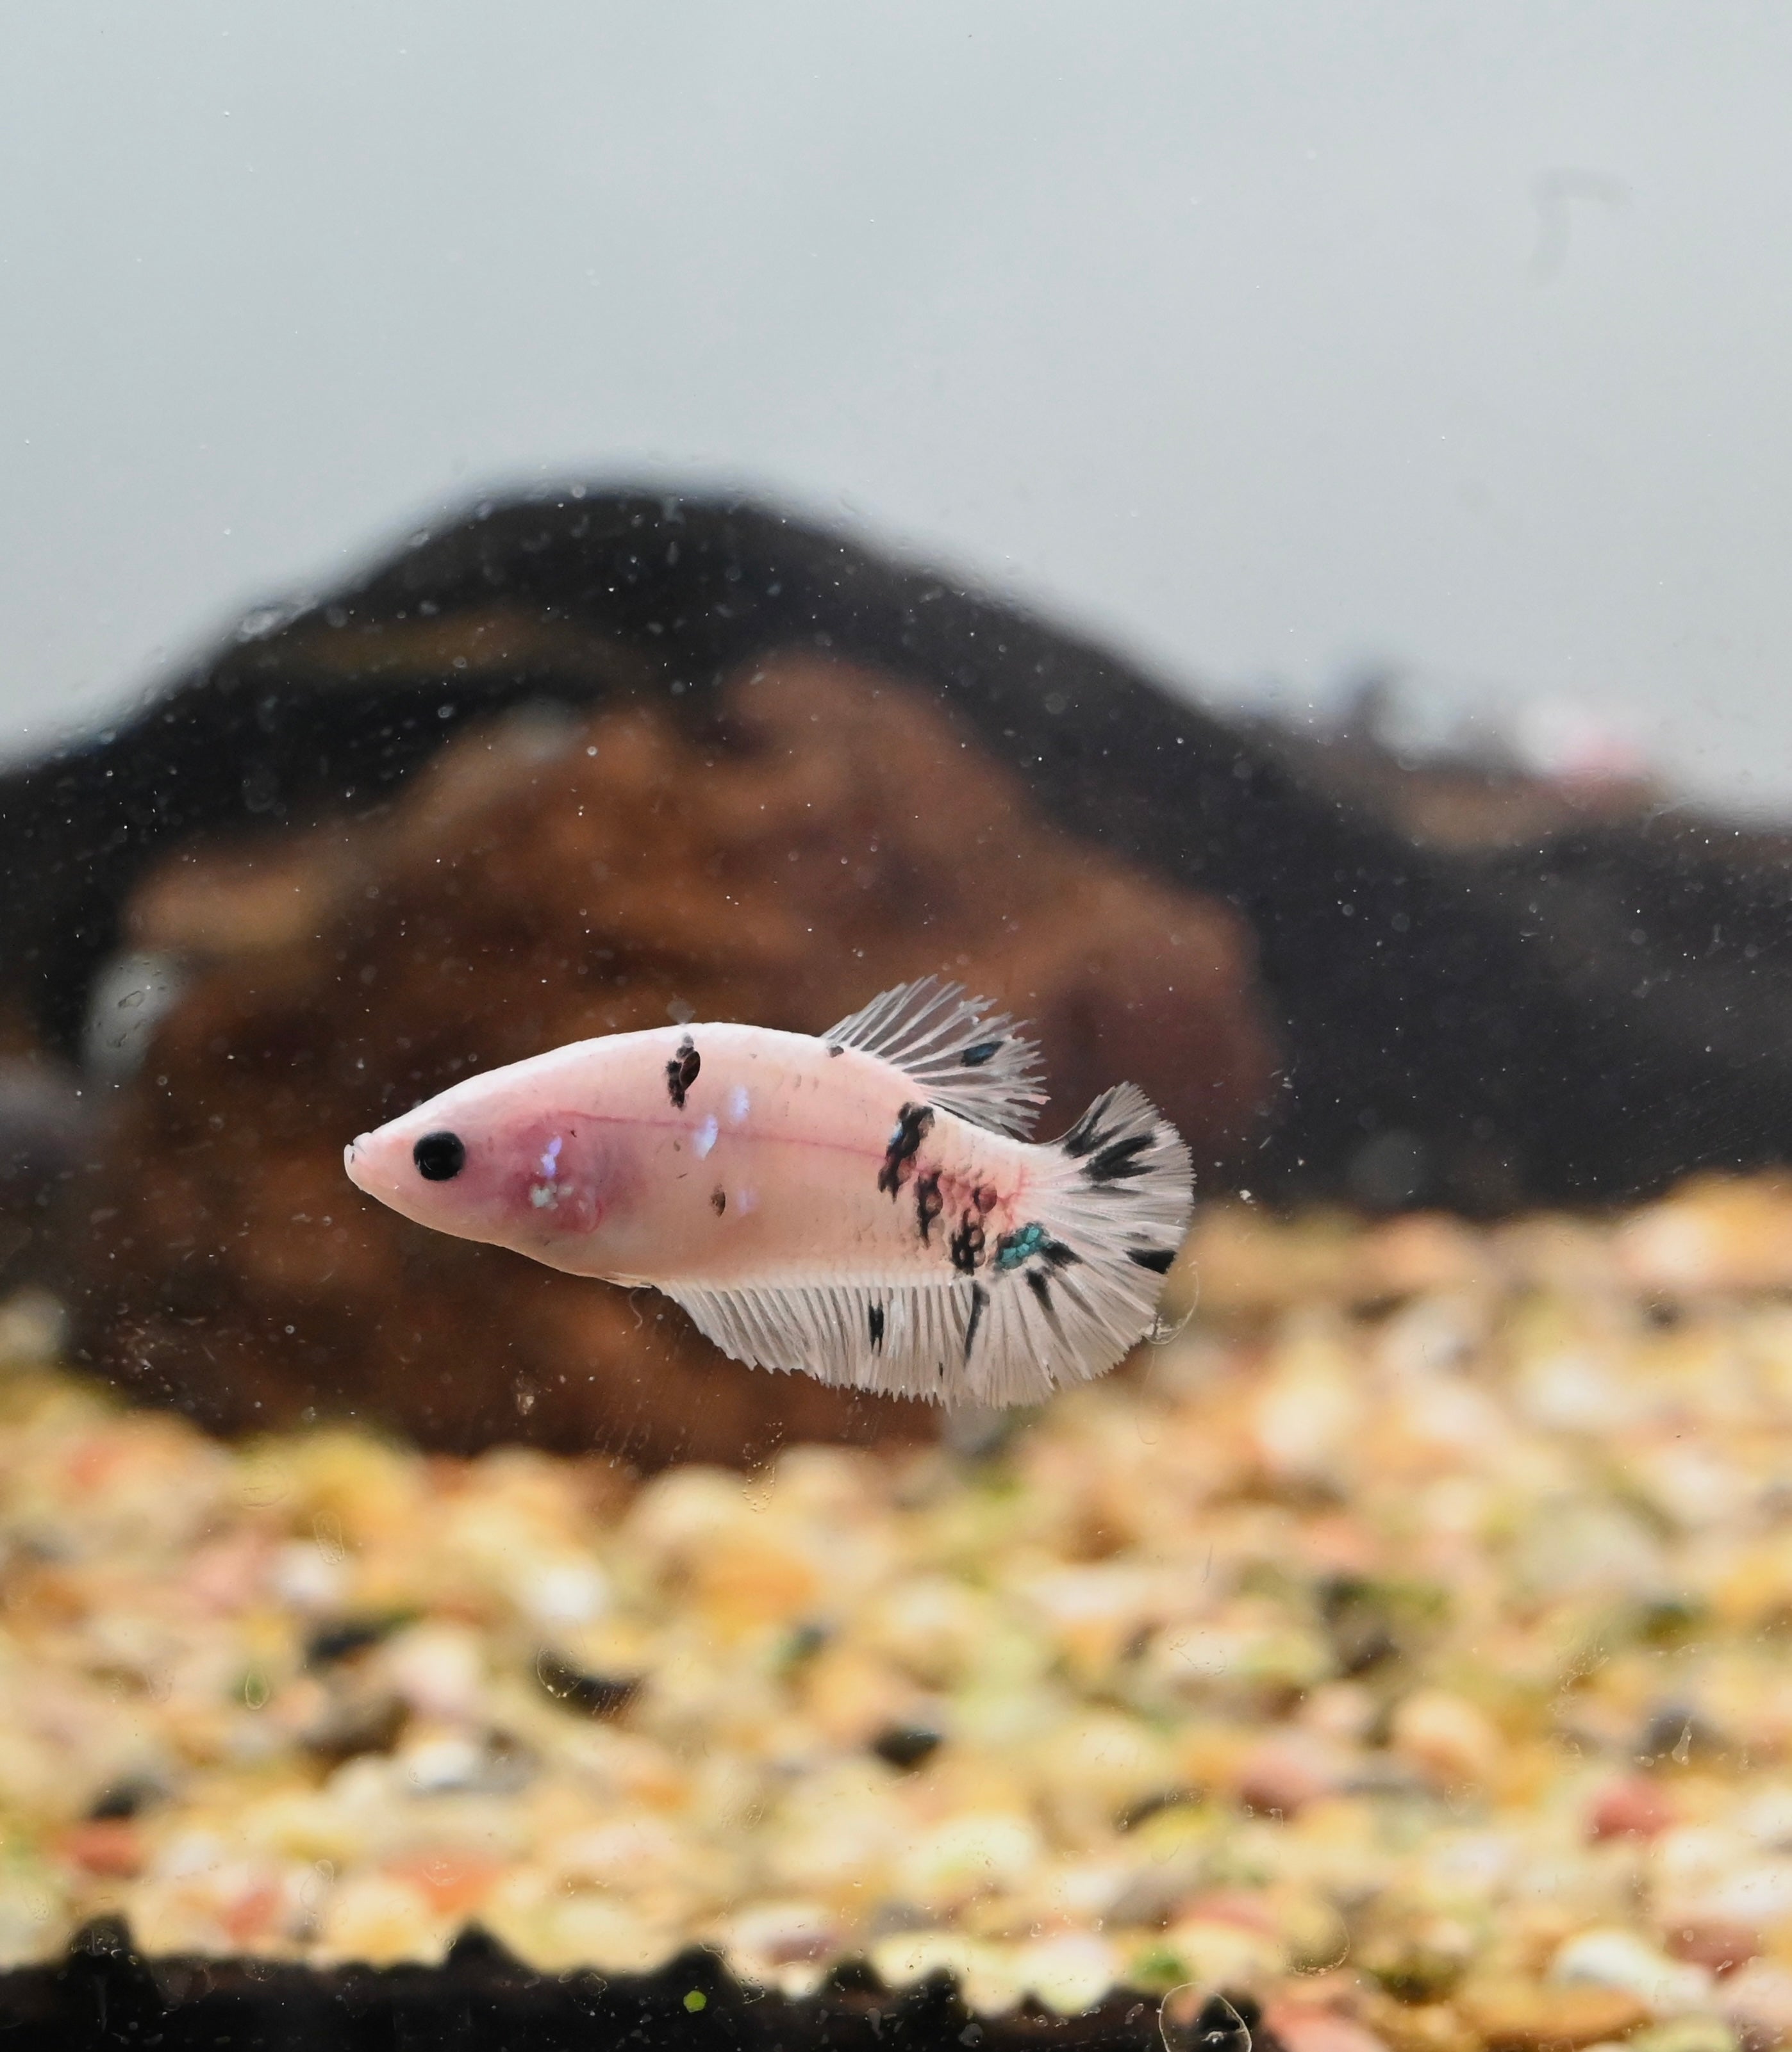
1409,1643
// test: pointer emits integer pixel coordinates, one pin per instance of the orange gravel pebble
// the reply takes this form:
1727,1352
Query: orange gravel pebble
1403,1645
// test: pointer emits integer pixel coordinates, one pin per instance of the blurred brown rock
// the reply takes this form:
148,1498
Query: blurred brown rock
827,833
1490,987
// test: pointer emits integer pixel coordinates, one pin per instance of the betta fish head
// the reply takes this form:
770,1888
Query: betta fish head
496,1158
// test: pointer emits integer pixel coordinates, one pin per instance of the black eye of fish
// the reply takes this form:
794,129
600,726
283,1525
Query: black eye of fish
440,1157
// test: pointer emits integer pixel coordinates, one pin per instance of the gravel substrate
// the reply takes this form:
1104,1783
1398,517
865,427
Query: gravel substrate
1405,1645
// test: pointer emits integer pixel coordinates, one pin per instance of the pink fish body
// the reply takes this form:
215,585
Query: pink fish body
859,1206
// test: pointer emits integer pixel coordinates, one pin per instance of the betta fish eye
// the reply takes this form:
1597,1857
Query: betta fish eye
440,1157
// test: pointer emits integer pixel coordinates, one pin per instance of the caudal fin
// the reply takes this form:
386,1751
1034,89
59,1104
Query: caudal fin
1077,1289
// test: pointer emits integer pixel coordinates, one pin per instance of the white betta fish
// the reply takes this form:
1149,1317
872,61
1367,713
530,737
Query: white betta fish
862,1207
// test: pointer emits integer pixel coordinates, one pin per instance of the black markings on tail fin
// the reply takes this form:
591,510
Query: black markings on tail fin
913,1124
1119,1160
1087,1134
874,1323
1156,1258
1077,1298
979,1303
681,1072
1041,1285
984,1051
1101,1141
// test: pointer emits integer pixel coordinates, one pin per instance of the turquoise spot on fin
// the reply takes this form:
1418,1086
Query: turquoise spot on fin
1012,1248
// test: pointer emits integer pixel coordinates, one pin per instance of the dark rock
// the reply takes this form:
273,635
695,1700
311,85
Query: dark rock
342,1638
124,1800
1546,1000
591,1695
906,1746
109,1995
103,1995
1679,1733
1226,2023
356,1723
828,833
1480,989
46,1125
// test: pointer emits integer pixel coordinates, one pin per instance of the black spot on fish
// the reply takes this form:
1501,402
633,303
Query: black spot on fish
979,1300
1119,1160
967,1244
984,1051
929,1205
681,1072
1156,1258
832,1051
1056,1256
874,1319
914,1122
718,1200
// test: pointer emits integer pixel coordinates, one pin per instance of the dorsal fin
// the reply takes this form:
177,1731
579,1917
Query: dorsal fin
963,1057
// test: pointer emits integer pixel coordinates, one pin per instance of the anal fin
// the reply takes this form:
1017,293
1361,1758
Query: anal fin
945,1343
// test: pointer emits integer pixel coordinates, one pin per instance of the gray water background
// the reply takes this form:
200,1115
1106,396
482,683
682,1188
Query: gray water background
1277,342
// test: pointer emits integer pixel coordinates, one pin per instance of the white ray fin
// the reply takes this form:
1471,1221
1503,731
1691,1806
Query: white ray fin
907,1341
1060,1300
959,1054
1088,1269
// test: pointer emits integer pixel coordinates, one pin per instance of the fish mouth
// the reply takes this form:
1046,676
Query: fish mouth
380,1168
351,1165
